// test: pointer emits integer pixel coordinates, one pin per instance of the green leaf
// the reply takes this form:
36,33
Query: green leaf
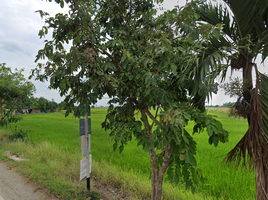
121,43
190,158
121,148
187,116
215,140
186,140
209,130
138,127
174,68
217,33
115,146
61,3
182,157
113,43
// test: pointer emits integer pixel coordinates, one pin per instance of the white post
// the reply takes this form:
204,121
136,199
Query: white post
87,150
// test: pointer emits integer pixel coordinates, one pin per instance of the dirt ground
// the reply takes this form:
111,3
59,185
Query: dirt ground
14,186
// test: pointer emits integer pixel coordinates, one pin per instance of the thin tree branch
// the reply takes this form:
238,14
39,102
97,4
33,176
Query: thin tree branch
152,117
104,51
156,113
146,124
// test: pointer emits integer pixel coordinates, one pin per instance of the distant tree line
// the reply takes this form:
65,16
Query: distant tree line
228,104
42,104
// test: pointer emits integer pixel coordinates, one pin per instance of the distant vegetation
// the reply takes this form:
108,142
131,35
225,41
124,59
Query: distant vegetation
226,105
43,104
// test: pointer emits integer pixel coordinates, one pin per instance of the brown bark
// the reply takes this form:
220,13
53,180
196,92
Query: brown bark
247,78
157,174
156,179
261,178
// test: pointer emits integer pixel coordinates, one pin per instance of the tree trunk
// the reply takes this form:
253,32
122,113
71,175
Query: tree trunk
157,182
261,178
247,83
157,174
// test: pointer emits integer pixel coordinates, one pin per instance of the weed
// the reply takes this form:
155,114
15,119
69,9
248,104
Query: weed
20,134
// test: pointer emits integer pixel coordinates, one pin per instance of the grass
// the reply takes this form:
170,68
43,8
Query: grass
225,181
54,152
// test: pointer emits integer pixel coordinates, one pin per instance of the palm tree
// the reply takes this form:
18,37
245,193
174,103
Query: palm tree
245,28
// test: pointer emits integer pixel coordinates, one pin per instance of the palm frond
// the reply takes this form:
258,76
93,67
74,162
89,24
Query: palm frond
244,12
264,104
207,64
242,19
251,19
218,15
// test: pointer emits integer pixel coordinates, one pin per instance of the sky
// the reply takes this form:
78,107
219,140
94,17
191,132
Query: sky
19,41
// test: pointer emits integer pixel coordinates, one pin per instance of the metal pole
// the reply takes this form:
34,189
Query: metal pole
87,150
7,130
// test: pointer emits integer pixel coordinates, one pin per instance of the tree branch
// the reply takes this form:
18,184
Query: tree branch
104,51
152,117
156,113
146,124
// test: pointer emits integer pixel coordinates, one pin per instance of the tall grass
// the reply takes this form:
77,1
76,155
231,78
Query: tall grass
57,151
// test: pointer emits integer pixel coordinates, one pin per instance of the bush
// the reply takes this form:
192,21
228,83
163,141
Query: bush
20,134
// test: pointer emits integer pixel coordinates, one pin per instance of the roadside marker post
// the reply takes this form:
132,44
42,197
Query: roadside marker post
85,164
87,151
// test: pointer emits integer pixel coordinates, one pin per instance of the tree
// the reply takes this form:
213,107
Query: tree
245,31
52,106
29,102
120,48
35,106
14,92
43,104
228,104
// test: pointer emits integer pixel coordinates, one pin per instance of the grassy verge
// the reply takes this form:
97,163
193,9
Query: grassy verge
54,154
58,171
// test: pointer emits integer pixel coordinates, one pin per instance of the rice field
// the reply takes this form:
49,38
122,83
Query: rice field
60,135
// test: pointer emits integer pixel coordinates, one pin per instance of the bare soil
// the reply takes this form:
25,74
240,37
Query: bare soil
14,186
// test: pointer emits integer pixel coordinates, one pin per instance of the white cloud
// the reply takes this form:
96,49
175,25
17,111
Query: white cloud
19,41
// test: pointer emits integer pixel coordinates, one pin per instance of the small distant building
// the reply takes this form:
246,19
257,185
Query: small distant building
35,111
24,111
30,111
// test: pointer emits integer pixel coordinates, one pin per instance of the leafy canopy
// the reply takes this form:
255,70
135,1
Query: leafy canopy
14,91
121,49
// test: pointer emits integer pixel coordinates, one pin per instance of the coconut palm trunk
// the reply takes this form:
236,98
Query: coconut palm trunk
253,147
245,31
261,177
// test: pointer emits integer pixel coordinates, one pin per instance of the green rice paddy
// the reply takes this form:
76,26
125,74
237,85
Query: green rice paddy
221,181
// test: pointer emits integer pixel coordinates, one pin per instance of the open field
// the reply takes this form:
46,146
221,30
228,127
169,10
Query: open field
53,150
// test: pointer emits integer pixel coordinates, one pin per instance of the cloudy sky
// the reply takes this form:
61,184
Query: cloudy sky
19,41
